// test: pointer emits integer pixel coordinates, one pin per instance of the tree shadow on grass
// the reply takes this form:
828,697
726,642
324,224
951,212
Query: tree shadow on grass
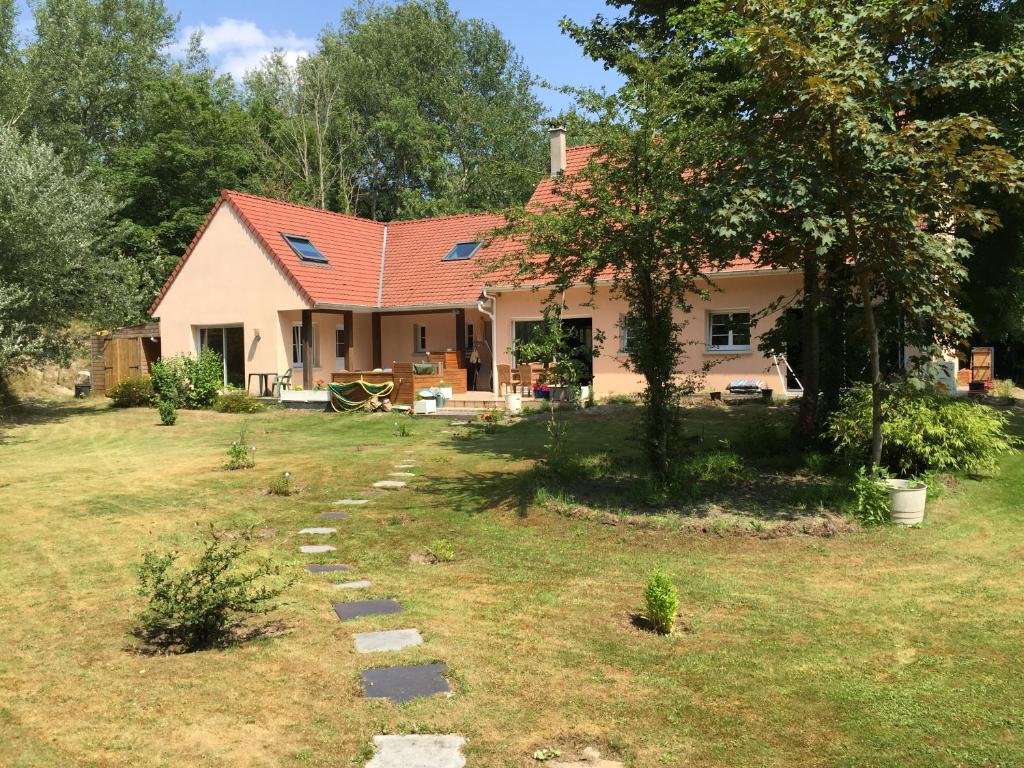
603,470
162,642
34,412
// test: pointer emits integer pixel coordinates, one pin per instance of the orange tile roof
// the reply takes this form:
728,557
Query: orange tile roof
414,273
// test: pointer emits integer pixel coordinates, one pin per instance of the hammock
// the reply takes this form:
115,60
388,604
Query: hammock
363,391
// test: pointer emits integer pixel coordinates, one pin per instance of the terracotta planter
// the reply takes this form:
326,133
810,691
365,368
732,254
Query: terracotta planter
907,500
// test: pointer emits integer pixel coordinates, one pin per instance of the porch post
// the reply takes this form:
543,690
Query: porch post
347,315
460,334
307,349
375,333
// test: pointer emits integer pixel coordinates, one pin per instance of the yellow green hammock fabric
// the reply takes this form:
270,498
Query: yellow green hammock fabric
353,395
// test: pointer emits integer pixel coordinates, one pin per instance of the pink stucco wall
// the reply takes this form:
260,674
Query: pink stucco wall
397,336
229,281
751,293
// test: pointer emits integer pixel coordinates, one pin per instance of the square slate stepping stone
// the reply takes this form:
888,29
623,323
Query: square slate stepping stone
359,584
401,474
355,609
422,751
327,567
318,531
405,683
351,502
393,640
389,484
316,549
334,515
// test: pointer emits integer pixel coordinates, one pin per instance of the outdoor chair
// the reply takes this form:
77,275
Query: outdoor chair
524,379
504,379
284,381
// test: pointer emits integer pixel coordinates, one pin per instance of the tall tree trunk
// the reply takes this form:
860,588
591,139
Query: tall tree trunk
876,367
809,420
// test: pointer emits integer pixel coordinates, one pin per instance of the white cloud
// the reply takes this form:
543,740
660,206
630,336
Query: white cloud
239,45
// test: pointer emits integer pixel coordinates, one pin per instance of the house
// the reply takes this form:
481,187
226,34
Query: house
275,286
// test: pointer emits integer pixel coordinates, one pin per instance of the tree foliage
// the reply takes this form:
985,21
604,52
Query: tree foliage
53,266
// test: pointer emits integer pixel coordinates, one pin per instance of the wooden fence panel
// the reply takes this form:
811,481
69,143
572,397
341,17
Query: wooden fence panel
121,359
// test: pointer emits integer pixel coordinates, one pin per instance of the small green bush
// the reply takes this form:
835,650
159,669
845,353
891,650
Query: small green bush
662,602
133,392
236,401
189,382
168,414
240,454
441,551
871,504
196,607
282,485
923,430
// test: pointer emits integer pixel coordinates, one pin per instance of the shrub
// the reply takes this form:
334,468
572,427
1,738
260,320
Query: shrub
662,602
870,497
236,401
189,382
196,607
168,415
402,429
282,485
441,551
240,455
923,430
1003,388
133,392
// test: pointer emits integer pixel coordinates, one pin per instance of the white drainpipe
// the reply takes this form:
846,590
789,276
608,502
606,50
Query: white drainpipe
494,335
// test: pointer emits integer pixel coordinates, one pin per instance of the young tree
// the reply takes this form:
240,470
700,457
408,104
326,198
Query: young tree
12,97
53,269
635,218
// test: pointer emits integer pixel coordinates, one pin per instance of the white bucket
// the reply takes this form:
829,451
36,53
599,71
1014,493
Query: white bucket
513,403
907,499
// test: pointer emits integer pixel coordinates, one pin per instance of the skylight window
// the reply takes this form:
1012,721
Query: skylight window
304,248
462,251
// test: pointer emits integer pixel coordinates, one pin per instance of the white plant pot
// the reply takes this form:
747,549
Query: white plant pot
907,499
305,395
445,392
514,403
424,406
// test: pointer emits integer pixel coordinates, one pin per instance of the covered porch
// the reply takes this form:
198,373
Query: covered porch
324,345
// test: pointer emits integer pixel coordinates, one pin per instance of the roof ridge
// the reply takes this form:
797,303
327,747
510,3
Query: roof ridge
399,222
228,193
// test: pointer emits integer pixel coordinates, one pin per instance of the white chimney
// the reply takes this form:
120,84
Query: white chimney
556,135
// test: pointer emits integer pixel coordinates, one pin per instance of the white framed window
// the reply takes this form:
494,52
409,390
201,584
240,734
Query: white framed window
297,345
625,342
729,331
419,338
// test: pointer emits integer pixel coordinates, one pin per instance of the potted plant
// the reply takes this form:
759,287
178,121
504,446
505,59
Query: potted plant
766,395
716,396
541,391
444,390
906,500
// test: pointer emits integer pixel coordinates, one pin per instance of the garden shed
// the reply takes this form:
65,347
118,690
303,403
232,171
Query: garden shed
123,352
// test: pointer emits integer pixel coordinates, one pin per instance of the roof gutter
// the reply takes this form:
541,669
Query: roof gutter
380,279
714,275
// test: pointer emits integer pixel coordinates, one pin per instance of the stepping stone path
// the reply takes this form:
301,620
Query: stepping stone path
334,515
589,758
401,474
418,752
389,484
360,584
351,502
404,466
394,640
327,567
316,549
405,683
354,609
319,531
458,423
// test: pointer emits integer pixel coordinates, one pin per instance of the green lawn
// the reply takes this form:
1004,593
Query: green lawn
879,648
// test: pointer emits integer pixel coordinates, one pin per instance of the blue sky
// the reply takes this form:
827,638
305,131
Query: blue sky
238,33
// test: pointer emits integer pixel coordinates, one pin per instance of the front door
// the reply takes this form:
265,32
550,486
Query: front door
229,342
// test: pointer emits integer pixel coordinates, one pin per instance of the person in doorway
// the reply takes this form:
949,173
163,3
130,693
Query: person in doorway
474,368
